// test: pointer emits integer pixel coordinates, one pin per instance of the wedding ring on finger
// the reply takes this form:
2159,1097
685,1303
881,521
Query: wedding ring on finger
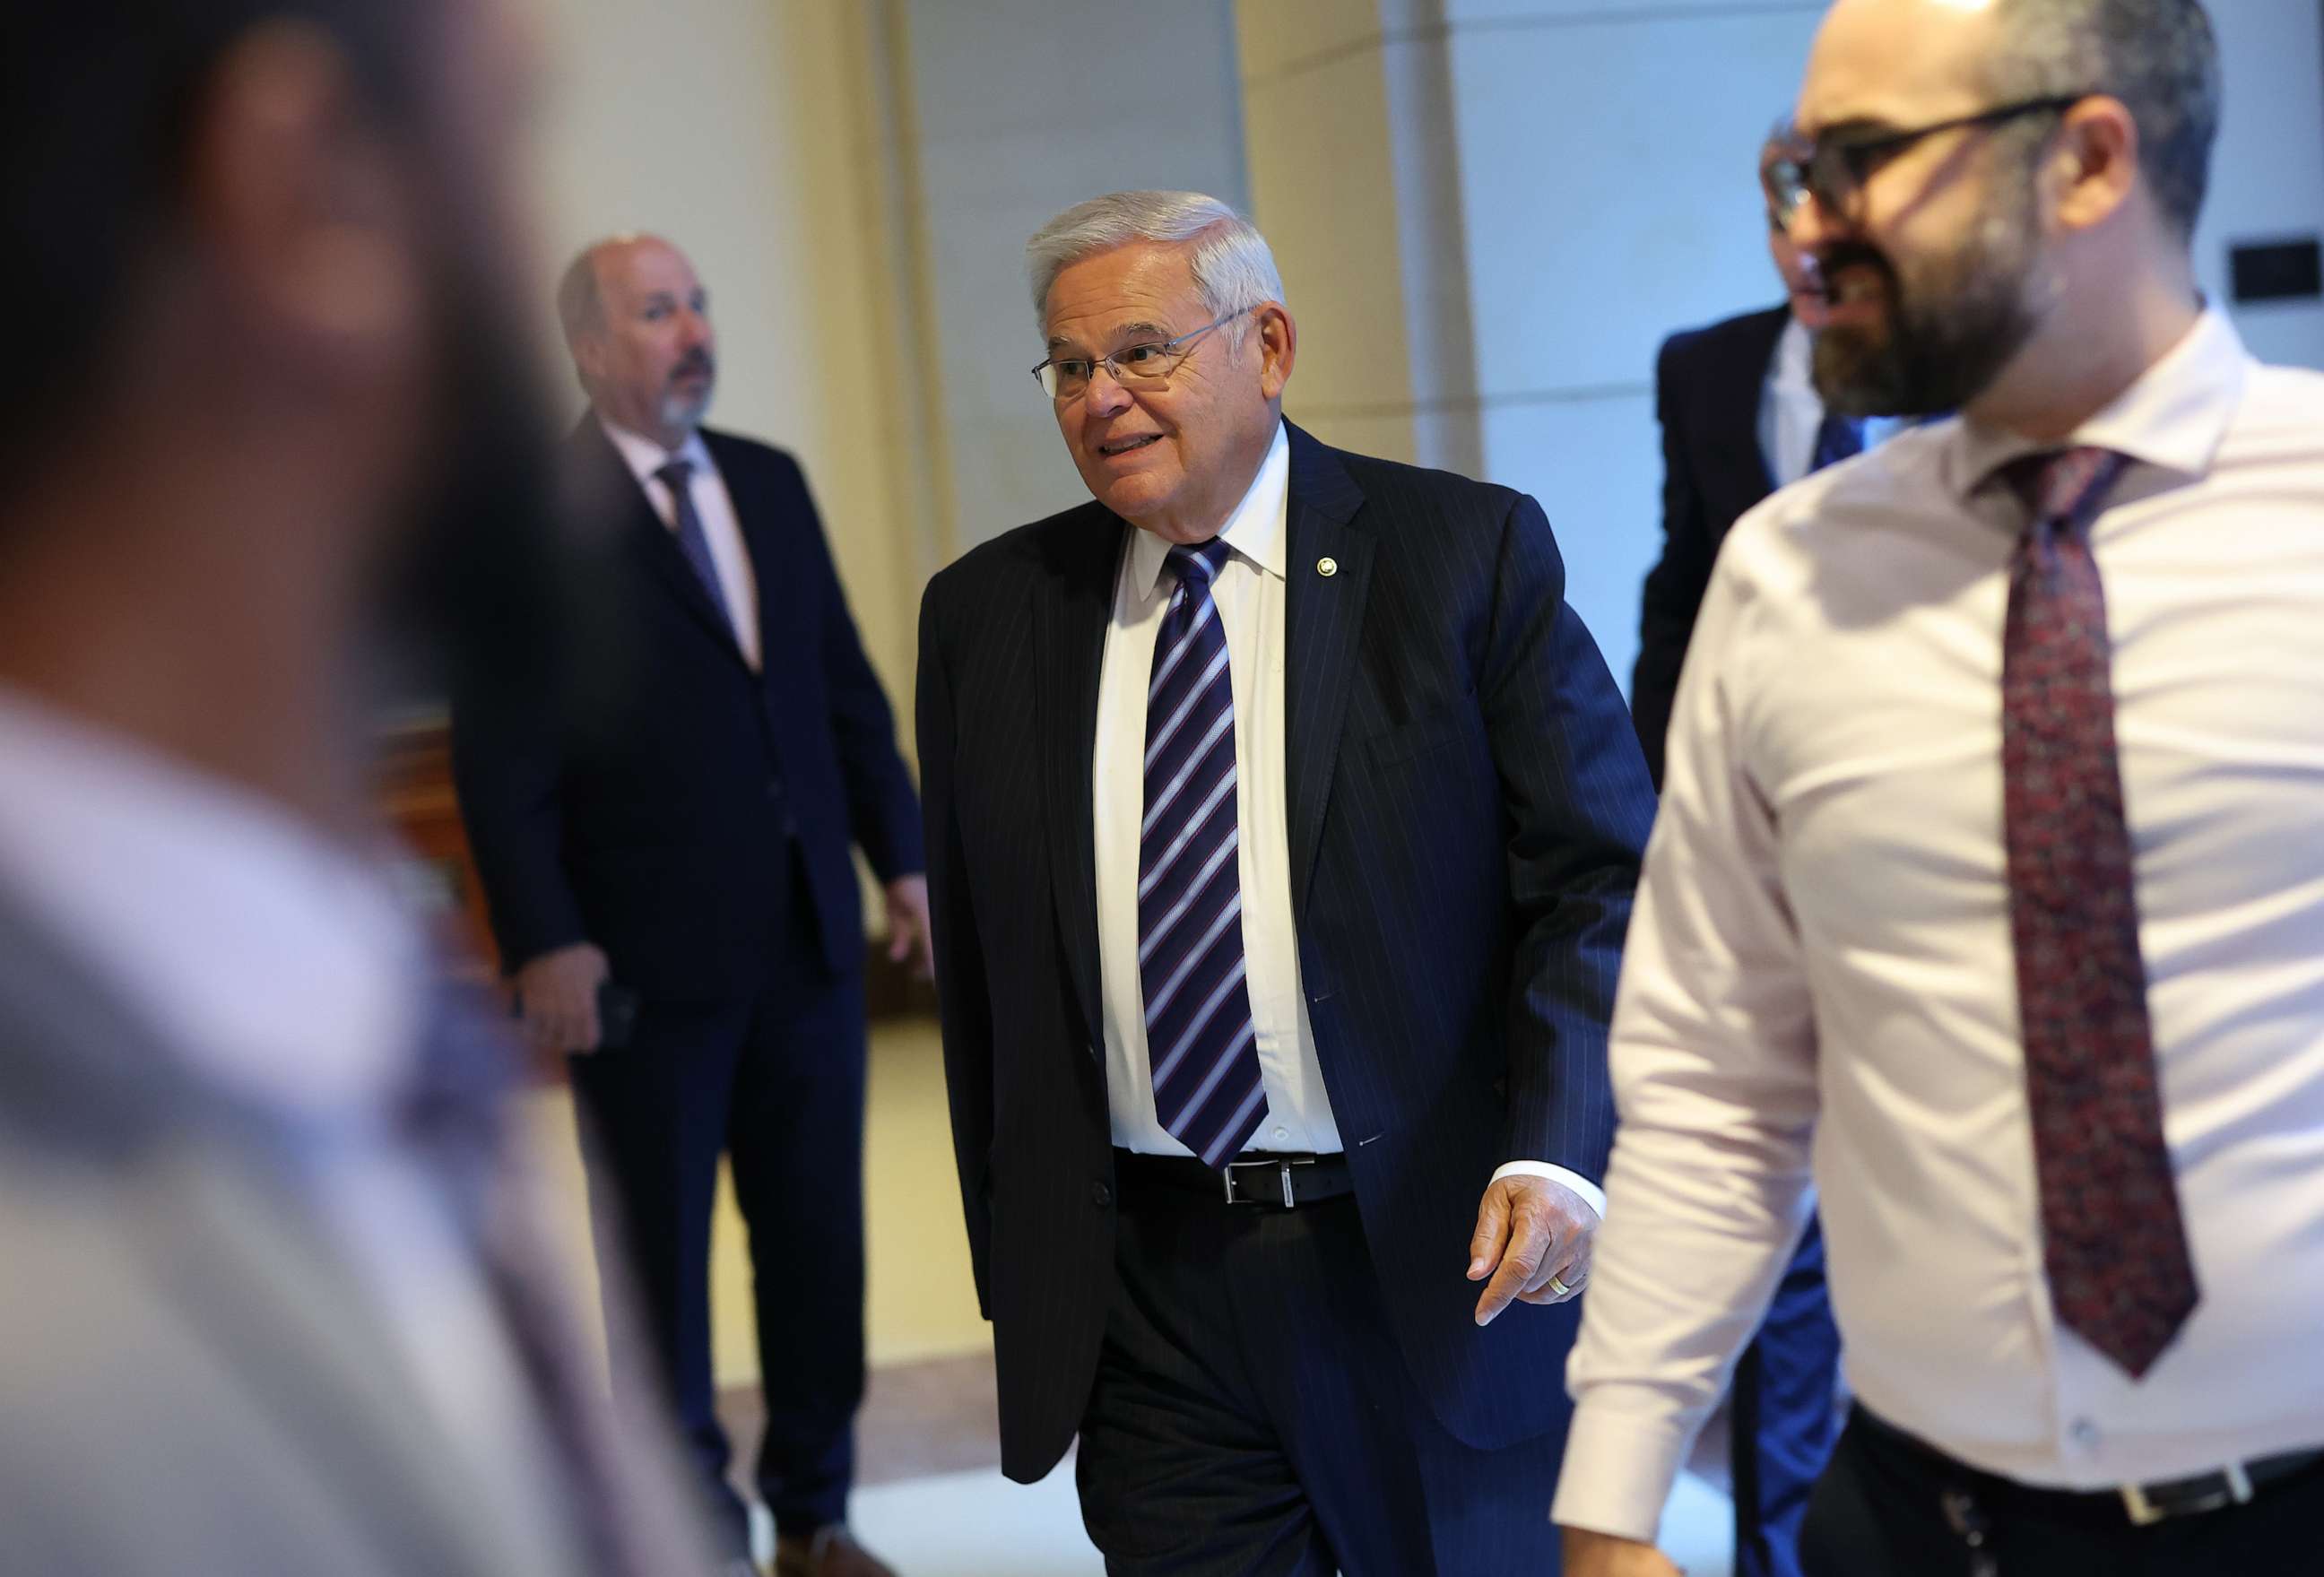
1560,1288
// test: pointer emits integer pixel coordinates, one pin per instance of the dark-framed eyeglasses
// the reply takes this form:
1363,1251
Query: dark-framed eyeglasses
1833,168
1144,365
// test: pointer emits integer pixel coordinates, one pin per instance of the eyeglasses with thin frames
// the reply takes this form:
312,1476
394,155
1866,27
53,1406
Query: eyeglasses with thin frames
1144,365
1835,169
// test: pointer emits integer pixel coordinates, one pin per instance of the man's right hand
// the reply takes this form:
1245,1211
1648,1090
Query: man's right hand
1602,1554
558,993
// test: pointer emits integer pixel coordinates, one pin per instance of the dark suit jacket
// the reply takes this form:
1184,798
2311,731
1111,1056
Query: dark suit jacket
660,833
1708,387
1467,809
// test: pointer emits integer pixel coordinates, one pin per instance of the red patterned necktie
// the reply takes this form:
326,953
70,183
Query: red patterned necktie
2113,1244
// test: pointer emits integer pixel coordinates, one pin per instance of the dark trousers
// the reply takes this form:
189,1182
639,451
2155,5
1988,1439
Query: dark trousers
1881,1511
1782,1416
1253,1416
776,1084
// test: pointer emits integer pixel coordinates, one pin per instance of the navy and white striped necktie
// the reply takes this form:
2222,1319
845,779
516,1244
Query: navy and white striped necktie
1199,1037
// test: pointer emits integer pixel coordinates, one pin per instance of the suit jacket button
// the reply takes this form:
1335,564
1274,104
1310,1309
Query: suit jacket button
1101,1194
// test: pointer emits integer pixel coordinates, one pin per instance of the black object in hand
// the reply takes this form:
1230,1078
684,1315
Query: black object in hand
617,1015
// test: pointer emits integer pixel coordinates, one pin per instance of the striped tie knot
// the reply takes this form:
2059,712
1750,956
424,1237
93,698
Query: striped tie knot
1199,564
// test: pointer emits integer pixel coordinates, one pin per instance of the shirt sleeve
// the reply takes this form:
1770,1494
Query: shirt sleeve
1591,1193
1713,1061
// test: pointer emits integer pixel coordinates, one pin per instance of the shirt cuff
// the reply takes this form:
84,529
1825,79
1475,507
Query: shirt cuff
1591,1194
1620,1466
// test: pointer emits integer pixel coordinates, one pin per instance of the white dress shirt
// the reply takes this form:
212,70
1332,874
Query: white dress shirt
715,507
1250,594
1790,411
1821,975
285,971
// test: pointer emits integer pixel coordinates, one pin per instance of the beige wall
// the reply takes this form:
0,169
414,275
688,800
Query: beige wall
1017,109
1355,179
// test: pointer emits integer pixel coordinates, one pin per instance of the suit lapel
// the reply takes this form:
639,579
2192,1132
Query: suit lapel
756,513
1323,616
1740,402
647,539
1070,607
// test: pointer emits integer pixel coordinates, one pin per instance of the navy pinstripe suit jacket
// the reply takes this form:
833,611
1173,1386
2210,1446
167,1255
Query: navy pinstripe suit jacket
1468,805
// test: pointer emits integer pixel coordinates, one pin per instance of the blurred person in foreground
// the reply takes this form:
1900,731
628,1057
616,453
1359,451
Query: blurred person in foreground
271,1298
1741,417
1283,823
691,847
1987,886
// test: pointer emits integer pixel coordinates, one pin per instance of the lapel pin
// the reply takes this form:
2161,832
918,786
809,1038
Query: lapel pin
1327,568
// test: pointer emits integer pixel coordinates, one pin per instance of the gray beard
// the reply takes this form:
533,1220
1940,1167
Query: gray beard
682,414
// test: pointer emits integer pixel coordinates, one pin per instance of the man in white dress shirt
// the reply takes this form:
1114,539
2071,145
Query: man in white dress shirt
268,1297
1987,887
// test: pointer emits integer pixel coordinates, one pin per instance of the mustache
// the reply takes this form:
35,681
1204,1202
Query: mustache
695,361
1847,254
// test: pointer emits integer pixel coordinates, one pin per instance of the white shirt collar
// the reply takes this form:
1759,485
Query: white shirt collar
644,457
1794,366
283,967
2173,416
1256,529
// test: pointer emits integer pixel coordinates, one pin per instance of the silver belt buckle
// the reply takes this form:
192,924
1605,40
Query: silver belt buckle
2145,1513
1290,1200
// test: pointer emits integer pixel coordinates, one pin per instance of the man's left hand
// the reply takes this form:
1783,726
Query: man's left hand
908,926
1530,1231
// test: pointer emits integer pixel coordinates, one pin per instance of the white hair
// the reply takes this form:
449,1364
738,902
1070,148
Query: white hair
1232,268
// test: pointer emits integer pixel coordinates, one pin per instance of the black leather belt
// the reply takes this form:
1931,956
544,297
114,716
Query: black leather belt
1264,1182
2144,1504
2232,1485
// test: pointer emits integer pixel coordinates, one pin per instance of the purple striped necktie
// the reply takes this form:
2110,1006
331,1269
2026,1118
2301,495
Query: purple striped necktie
692,540
1199,1041
2114,1241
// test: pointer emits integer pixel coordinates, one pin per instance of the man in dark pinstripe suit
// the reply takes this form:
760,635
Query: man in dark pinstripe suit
1283,824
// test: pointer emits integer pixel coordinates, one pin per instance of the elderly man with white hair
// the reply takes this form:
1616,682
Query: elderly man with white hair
1283,822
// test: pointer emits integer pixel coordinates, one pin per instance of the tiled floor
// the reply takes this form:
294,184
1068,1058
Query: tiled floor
920,1420
933,1501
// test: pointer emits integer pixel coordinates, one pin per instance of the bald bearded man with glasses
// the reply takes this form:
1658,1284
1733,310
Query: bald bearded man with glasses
1986,886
